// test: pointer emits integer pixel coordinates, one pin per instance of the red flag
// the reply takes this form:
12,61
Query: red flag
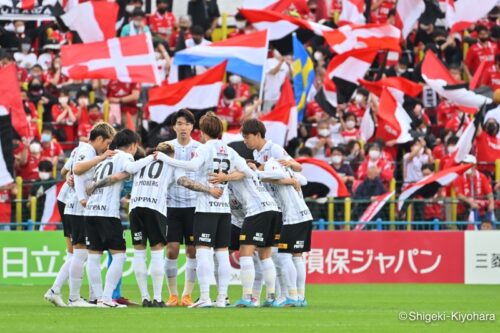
463,13
126,59
394,123
319,171
51,215
373,209
407,14
10,99
398,86
353,11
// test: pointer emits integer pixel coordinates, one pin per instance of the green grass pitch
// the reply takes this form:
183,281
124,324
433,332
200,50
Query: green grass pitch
332,308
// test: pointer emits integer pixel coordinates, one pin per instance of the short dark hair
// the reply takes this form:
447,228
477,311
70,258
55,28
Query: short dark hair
45,165
305,151
253,126
197,30
452,140
102,129
229,92
349,114
481,27
184,113
429,166
340,149
125,138
211,125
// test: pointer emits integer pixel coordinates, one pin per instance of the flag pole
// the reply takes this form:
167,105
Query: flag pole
261,89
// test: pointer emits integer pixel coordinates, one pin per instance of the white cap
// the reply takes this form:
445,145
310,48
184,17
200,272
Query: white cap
470,159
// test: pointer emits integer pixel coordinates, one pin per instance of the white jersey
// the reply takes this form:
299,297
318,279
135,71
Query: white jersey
151,186
238,212
65,189
179,196
291,202
84,152
253,196
209,158
268,152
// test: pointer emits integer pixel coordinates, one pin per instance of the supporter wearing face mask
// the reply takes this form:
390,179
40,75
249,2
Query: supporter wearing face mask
321,144
44,182
162,23
349,131
84,128
64,117
488,146
375,159
242,89
482,51
446,160
51,148
29,170
228,110
413,161
137,24
341,166
25,58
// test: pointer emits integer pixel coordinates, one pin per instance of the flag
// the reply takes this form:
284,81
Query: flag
397,86
473,218
319,171
6,149
478,76
281,121
373,209
367,126
326,97
93,21
394,123
283,5
440,80
199,92
351,36
11,100
461,14
353,11
247,55
26,4
407,14
51,215
429,185
303,75
126,59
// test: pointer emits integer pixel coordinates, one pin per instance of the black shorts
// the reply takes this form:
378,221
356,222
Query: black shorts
104,233
212,229
65,223
277,229
234,242
295,238
259,230
180,223
147,225
78,232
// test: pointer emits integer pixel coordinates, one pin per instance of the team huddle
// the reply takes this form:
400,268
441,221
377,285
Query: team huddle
205,196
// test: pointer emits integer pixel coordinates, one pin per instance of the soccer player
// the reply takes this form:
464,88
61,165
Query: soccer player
295,235
83,162
53,295
212,223
102,217
180,214
254,133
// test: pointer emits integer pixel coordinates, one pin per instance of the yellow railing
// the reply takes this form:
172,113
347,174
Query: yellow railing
19,202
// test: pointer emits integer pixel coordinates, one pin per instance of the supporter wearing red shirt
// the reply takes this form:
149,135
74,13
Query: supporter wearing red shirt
445,112
474,189
446,160
84,128
55,78
29,171
7,193
458,123
242,89
349,131
380,10
126,96
491,76
482,51
51,148
163,21
64,118
228,110
359,103
184,25
488,146
36,72
374,159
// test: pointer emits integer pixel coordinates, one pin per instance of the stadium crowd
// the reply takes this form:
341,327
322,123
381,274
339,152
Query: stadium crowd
62,111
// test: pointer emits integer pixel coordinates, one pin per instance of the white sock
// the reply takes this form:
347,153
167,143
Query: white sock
223,271
277,287
300,266
141,272
215,269
247,276
203,272
289,271
259,277
76,273
190,276
62,275
171,272
157,263
113,275
95,276
269,274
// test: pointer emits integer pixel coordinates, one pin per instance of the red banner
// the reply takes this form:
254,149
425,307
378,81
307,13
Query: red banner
386,257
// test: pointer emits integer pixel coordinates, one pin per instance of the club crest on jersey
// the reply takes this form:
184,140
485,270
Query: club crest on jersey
266,158
81,157
193,154
222,150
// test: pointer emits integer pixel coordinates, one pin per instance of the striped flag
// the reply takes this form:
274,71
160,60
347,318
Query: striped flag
407,14
461,14
353,11
11,101
372,210
303,76
397,86
6,149
319,171
394,123
51,214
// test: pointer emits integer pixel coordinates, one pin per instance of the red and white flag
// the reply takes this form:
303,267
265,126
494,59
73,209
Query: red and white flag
367,126
126,59
394,123
373,210
319,171
199,92
26,4
461,14
397,86
51,215
429,185
440,80
280,25
11,100
94,21
407,14
351,36
281,121
352,12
